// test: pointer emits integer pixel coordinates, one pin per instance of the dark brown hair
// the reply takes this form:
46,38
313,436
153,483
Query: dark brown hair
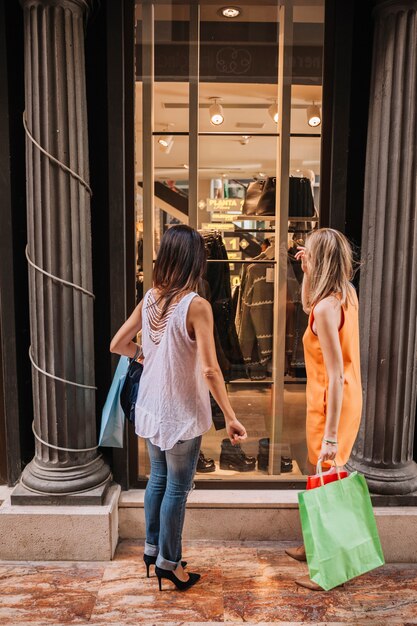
180,264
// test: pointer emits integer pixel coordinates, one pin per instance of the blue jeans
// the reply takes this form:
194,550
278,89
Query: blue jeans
170,482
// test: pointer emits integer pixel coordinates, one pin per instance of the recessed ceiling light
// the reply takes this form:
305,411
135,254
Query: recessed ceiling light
230,12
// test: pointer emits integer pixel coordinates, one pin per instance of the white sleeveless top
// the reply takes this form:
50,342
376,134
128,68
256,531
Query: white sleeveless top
173,401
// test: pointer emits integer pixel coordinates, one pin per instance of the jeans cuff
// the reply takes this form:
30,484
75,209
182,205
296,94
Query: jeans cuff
151,550
165,564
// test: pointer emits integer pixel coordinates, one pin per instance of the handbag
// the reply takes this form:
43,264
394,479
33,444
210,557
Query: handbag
112,417
266,202
253,193
323,478
301,201
339,531
130,389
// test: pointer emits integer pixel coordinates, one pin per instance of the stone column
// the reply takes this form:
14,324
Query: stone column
388,292
59,242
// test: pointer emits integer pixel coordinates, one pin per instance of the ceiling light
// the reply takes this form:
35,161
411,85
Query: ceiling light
165,143
261,174
313,115
229,12
273,112
216,113
244,140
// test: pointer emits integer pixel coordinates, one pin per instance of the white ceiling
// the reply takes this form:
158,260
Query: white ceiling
225,155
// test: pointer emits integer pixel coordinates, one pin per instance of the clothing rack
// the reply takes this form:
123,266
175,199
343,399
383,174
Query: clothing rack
251,261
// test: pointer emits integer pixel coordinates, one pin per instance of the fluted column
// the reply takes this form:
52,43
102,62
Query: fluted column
388,293
59,242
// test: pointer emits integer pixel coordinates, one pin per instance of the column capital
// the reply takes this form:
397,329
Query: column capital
389,7
84,5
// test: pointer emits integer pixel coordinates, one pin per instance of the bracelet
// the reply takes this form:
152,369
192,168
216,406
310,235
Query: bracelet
331,441
137,353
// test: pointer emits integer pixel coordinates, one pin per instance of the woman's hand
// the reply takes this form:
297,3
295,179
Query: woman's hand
236,431
328,451
301,256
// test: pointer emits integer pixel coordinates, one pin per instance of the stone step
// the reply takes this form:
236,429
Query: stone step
264,515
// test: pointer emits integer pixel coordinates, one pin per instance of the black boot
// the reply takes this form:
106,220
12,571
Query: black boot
263,458
204,466
233,458
263,454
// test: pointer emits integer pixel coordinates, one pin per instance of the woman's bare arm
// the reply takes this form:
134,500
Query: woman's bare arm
200,319
327,317
122,342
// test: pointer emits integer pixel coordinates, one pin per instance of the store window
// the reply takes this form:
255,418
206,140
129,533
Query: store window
228,136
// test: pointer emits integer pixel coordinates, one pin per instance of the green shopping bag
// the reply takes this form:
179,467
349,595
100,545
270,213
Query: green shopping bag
339,530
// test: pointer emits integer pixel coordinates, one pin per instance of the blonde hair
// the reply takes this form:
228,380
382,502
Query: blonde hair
330,265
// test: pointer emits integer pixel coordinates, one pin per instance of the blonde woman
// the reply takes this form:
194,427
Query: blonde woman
331,348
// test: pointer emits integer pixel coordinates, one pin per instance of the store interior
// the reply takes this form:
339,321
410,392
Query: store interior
239,153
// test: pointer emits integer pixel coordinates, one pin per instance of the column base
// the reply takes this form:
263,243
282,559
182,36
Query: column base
395,481
60,533
93,497
44,484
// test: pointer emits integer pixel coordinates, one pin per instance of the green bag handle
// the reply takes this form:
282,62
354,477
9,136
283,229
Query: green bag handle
319,471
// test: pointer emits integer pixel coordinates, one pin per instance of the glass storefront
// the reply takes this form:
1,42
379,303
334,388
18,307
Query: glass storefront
227,136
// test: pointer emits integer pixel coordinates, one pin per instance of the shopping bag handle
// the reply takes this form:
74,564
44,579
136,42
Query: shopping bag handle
319,471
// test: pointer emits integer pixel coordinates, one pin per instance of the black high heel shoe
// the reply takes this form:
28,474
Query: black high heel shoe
151,560
170,575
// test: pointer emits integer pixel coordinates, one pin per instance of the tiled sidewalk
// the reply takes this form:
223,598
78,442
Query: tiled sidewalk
241,582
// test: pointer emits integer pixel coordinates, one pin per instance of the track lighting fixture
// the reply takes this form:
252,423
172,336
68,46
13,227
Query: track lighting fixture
273,112
313,115
166,142
216,112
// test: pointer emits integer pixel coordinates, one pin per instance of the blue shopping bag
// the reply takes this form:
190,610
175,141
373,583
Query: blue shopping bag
112,417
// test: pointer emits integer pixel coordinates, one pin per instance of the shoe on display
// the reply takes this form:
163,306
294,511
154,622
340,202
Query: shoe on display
263,454
234,458
263,458
286,464
204,465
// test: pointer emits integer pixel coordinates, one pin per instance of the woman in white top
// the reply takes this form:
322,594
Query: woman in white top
173,406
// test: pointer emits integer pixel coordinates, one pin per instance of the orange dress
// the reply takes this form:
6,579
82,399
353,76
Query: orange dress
318,383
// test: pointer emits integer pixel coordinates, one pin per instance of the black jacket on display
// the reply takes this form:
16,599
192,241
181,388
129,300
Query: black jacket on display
220,297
